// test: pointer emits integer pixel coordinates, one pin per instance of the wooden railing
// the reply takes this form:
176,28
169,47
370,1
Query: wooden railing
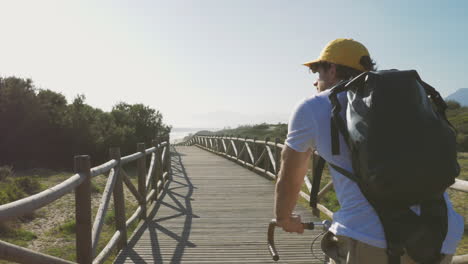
150,183
262,156
246,152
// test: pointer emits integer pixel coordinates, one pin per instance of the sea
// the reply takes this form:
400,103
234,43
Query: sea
178,133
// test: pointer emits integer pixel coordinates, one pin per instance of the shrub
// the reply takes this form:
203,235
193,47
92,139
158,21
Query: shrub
28,185
451,104
4,199
5,171
262,126
13,189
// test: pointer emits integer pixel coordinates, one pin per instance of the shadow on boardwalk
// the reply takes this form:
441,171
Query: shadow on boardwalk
155,232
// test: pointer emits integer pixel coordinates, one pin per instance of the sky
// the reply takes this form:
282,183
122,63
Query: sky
220,63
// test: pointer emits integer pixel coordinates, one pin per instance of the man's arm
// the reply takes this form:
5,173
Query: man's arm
291,177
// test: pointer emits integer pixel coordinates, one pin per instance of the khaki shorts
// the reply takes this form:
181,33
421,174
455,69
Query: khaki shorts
345,250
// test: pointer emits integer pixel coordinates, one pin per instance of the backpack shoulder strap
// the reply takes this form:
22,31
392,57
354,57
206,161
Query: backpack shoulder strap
317,174
346,173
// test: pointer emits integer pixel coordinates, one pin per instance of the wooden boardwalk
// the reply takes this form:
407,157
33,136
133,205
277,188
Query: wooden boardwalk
214,211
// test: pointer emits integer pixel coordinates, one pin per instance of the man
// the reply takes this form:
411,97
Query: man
356,234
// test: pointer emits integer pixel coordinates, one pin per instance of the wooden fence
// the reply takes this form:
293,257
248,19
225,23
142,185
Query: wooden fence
262,156
150,183
252,152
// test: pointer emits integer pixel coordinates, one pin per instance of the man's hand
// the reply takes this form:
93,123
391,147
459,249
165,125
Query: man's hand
291,224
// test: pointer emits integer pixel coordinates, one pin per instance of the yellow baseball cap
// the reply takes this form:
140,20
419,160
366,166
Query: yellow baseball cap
346,52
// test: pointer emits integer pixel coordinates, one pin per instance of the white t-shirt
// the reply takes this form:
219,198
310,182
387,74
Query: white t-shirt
309,128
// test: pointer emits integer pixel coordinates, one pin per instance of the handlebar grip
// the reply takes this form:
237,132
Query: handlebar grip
271,237
271,240
309,226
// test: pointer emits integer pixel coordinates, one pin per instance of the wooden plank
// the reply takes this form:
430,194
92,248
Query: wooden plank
234,147
105,252
23,255
460,185
212,210
134,216
105,199
252,161
224,146
272,158
34,202
130,185
103,168
150,172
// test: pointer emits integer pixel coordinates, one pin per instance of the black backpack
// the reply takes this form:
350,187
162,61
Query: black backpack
403,152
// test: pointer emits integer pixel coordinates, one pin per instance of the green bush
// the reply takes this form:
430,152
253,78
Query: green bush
5,172
4,199
261,126
15,188
10,192
27,184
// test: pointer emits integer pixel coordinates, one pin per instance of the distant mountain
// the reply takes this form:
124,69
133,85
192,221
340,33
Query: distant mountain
461,96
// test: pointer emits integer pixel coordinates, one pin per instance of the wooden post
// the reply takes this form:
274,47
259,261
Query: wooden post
277,157
159,171
168,156
141,168
215,143
267,157
154,177
161,163
246,152
119,200
162,159
254,152
83,211
236,143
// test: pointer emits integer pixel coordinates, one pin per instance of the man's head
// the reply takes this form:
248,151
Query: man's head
341,59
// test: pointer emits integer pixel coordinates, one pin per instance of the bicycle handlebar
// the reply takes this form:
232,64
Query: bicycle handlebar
271,234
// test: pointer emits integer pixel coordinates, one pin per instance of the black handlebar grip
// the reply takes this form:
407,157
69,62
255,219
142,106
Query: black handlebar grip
309,226
271,237
271,240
